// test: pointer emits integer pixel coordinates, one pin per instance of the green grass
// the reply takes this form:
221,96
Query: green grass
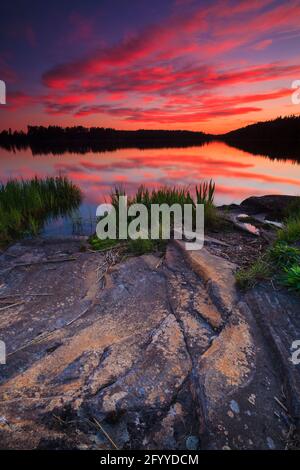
291,231
99,245
283,255
291,277
173,195
204,194
281,261
141,246
26,205
260,270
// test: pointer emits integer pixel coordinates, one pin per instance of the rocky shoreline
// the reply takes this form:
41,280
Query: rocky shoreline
146,352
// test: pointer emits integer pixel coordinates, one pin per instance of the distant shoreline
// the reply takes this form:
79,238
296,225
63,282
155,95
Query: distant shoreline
276,139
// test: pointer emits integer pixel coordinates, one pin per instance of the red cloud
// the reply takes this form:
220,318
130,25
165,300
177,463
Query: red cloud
168,39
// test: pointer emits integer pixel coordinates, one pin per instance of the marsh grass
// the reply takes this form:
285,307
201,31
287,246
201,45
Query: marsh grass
204,194
173,195
27,204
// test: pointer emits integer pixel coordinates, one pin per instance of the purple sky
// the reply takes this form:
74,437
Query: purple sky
203,65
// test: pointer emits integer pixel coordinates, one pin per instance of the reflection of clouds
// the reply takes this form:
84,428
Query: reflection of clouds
84,177
24,172
183,169
237,174
159,161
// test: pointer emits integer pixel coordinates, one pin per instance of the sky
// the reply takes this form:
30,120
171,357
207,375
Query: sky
211,66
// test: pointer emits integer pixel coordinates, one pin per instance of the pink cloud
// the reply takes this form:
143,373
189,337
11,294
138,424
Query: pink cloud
262,44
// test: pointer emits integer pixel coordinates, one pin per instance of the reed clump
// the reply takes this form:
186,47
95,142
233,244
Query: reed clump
27,204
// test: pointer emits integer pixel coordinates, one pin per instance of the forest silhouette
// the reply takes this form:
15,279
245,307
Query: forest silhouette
277,139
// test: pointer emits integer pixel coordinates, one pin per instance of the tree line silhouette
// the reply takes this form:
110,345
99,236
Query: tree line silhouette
277,139
79,139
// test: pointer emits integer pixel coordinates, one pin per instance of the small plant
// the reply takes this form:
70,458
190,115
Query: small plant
205,192
291,231
141,246
281,261
115,195
99,245
284,255
291,277
259,271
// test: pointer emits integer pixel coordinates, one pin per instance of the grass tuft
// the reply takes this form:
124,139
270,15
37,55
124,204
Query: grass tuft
172,195
99,245
281,261
283,255
260,270
26,205
291,231
291,277
141,246
164,195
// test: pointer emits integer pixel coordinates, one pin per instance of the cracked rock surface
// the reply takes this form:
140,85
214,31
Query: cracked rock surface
158,356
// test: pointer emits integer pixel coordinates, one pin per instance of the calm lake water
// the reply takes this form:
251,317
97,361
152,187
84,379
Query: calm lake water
237,175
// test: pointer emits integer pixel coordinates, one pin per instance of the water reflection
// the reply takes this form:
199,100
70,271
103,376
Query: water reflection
237,174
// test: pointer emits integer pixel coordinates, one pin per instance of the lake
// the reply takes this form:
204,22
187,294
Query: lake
237,174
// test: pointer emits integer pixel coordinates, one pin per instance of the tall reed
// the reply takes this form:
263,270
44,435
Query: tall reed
26,205
204,194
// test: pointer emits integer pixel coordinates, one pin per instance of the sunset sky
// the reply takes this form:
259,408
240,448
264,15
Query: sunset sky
129,64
